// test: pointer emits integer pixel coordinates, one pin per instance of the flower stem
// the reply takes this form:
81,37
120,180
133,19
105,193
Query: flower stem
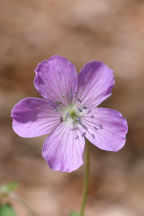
86,180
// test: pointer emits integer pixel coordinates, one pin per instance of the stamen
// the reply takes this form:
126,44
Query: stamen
79,100
92,116
74,128
78,119
61,119
67,115
79,109
100,126
85,127
56,109
84,107
58,102
74,93
93,136
83,134
89,111
95,128
77,137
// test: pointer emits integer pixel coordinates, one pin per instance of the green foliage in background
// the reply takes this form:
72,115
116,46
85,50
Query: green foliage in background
6,188
7,210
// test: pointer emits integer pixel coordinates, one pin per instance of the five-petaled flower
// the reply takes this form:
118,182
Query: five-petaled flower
69,112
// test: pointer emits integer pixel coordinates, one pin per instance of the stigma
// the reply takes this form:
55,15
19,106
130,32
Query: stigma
72,114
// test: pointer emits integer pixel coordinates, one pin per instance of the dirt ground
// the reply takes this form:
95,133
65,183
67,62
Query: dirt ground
80,30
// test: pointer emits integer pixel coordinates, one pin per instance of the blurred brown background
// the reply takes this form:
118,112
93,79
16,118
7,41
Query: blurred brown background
80,30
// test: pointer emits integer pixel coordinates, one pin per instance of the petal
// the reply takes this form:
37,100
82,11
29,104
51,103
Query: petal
95,82
56,79
34,117
107,129
63,149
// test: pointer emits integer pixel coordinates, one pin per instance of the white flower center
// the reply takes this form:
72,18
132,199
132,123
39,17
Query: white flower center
72,113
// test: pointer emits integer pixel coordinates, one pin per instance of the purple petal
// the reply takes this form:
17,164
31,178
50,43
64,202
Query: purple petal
34,117
107,129
63,149
95,82
56,79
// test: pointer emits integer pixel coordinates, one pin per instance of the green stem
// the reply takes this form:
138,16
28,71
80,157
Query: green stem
85,191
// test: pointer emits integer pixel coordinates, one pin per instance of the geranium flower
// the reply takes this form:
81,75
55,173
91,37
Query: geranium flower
69,112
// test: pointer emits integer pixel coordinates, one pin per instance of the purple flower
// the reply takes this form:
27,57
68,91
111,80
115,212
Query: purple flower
69,112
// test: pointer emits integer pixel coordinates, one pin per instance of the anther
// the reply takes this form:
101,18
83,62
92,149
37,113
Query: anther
56,109
79,100
58,102
95,128
78,119
89,111
84,107
74,93
74,128
79,109
92,116
100,126
85,127
61,119
67,115
83,134
77,137
93,136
